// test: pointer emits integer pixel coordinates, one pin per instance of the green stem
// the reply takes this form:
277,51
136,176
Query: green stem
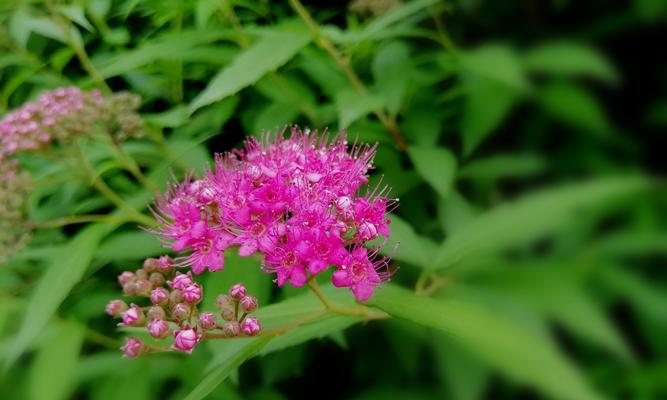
76,219
358,311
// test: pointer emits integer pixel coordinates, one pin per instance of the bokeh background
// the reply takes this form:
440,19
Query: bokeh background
525,140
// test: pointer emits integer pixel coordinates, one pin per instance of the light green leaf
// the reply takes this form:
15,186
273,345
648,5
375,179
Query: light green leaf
515,352
269,53
575,106
276,116
497,63
75,12
486,105
570,59
133,245
405,245
464,376
53,371
391,71
531,217
436,165
503,166
62,274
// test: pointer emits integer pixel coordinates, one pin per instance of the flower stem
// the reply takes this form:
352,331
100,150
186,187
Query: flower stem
357,311
344,64
76,219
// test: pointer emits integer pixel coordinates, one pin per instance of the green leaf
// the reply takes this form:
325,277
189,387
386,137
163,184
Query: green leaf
570,59
503,166
352,106
575,106
62,274
463,375
53,372
486,106
497,63
531,217
436,165
134,245
515,352
405,245
269,53
391,71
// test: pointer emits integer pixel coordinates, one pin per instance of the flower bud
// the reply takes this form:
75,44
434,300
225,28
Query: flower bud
207,320
186,339
141,274
133,316
158,328
231,328
343,202
165,263
192,294
237,292
125,277
222,301
159,296
249,304
176,297
143,287
151,264
115,308
133,347
181,281
180,311
130,289
367,231
155,312
251,326
156,279
228,314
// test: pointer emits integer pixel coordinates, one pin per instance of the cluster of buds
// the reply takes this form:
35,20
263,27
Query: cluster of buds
174,309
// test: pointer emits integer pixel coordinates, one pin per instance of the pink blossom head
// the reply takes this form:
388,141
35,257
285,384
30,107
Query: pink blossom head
360,273
186,339
133,347
158,328
251,326
207,320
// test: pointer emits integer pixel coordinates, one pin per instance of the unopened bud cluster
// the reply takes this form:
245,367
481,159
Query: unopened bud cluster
14,189
174,308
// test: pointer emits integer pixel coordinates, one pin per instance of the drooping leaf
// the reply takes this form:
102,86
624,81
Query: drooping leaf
436,165
513,351
570,59
576,107
269,53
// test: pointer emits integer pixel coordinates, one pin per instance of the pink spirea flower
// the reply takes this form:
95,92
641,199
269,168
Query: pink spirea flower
158,328
181,281
192,293
186,339
251,326
133,347
296,200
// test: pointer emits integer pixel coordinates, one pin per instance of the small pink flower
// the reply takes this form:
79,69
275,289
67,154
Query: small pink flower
159,296
180,311
133,316
115,308
181,281
207,320
164,263
186,339
125,277
248,304
251,326
133,347
158,328
360,274
192,294
237,292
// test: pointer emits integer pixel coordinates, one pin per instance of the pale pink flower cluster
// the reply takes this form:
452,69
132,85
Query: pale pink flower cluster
175,299
65,113
295,200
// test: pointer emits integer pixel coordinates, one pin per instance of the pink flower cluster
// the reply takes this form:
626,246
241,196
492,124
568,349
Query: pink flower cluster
295,200
175,299
65,113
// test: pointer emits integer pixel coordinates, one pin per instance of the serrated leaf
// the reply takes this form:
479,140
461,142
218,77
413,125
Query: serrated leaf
436,165
269,53
570,59
513,351
531,217
62,274
575,106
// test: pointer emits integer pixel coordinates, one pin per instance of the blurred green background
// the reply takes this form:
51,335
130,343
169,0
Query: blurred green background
525,140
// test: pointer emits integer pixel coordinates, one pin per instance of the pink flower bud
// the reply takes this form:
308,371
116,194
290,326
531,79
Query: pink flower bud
251,326
133,347
165,263
180,311
158,328
133,316
222,300
125,277
186,339
159,296
141,274
343,202
156,279
192,293
249,304
231,328
143,287
237,292
367,231
115,308
227,313
130,289
176,297
207,320
150,264
181,281
155,312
